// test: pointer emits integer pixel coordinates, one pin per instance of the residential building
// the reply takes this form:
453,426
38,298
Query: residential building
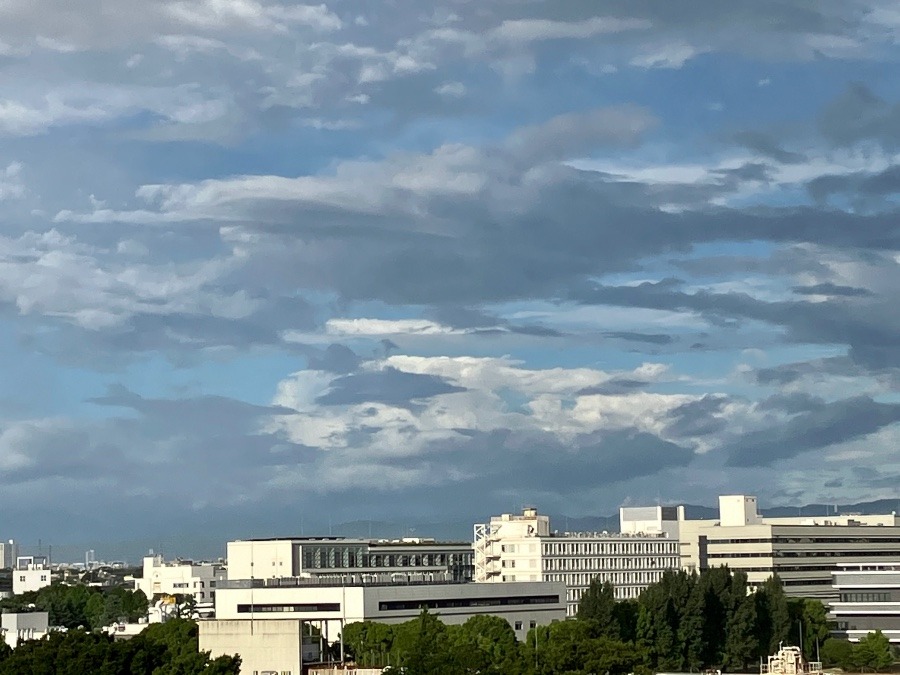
516,548
180,577
323,556
868,599
19,626
31,573
262,619
804,551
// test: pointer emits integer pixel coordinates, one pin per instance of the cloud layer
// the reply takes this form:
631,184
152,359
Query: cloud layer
257,255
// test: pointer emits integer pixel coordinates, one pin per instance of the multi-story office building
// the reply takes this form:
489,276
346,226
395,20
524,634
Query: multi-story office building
803,551
322,556
522,548
868,599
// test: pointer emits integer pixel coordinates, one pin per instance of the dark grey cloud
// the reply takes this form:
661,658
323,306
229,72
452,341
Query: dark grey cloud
823,425
767,146
389,386
650,338
698,418
336,358
831,289
861,115
869,328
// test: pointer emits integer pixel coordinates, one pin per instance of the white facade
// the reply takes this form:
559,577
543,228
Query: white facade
260,619
804,551
324,556
31,573
516,548
654,520
868,599
17,627
198,579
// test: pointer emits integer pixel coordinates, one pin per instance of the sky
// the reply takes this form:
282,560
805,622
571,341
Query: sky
267,263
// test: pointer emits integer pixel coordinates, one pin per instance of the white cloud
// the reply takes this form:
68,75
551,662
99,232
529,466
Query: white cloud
669,56
451,89
530,30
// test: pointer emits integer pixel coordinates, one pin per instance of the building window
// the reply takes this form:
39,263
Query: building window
518,625
532,624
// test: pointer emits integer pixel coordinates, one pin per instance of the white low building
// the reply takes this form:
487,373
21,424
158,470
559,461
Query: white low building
262,619
31,573
515,548
180,577
20,626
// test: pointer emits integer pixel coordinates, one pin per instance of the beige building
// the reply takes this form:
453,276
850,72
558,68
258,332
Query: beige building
868,599
515,547
802,550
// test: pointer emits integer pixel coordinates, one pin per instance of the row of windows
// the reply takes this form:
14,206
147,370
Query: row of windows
806,540
446,603
865,597
613,547
615,578
350,557
317,607
617,563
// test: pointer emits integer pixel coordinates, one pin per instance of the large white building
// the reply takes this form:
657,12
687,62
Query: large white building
514,547
31,573
868,599
804,551
180,577
262,619
322,556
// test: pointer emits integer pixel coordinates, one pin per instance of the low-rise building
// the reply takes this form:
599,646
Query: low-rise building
19,626
31,573
180,577
868,599
262,619
516,548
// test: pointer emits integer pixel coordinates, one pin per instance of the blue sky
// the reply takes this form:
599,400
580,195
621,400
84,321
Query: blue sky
264,260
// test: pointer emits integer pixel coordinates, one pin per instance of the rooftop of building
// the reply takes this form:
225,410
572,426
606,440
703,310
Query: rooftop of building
404,541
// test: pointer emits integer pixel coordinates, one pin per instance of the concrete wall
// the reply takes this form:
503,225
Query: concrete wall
267,645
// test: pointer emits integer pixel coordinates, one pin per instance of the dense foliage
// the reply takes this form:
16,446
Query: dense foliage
80,606
169,648
685,622
873,652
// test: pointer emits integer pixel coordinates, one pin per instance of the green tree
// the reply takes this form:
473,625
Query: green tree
838,653
741,643
484,644
873,652
809,622
598,606
368,643
690,626
422,646
773,617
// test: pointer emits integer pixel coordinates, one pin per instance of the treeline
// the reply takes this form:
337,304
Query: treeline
872,652
80,606
684,622
169,648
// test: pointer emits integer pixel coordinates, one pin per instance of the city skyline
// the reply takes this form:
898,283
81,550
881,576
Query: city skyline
266,261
